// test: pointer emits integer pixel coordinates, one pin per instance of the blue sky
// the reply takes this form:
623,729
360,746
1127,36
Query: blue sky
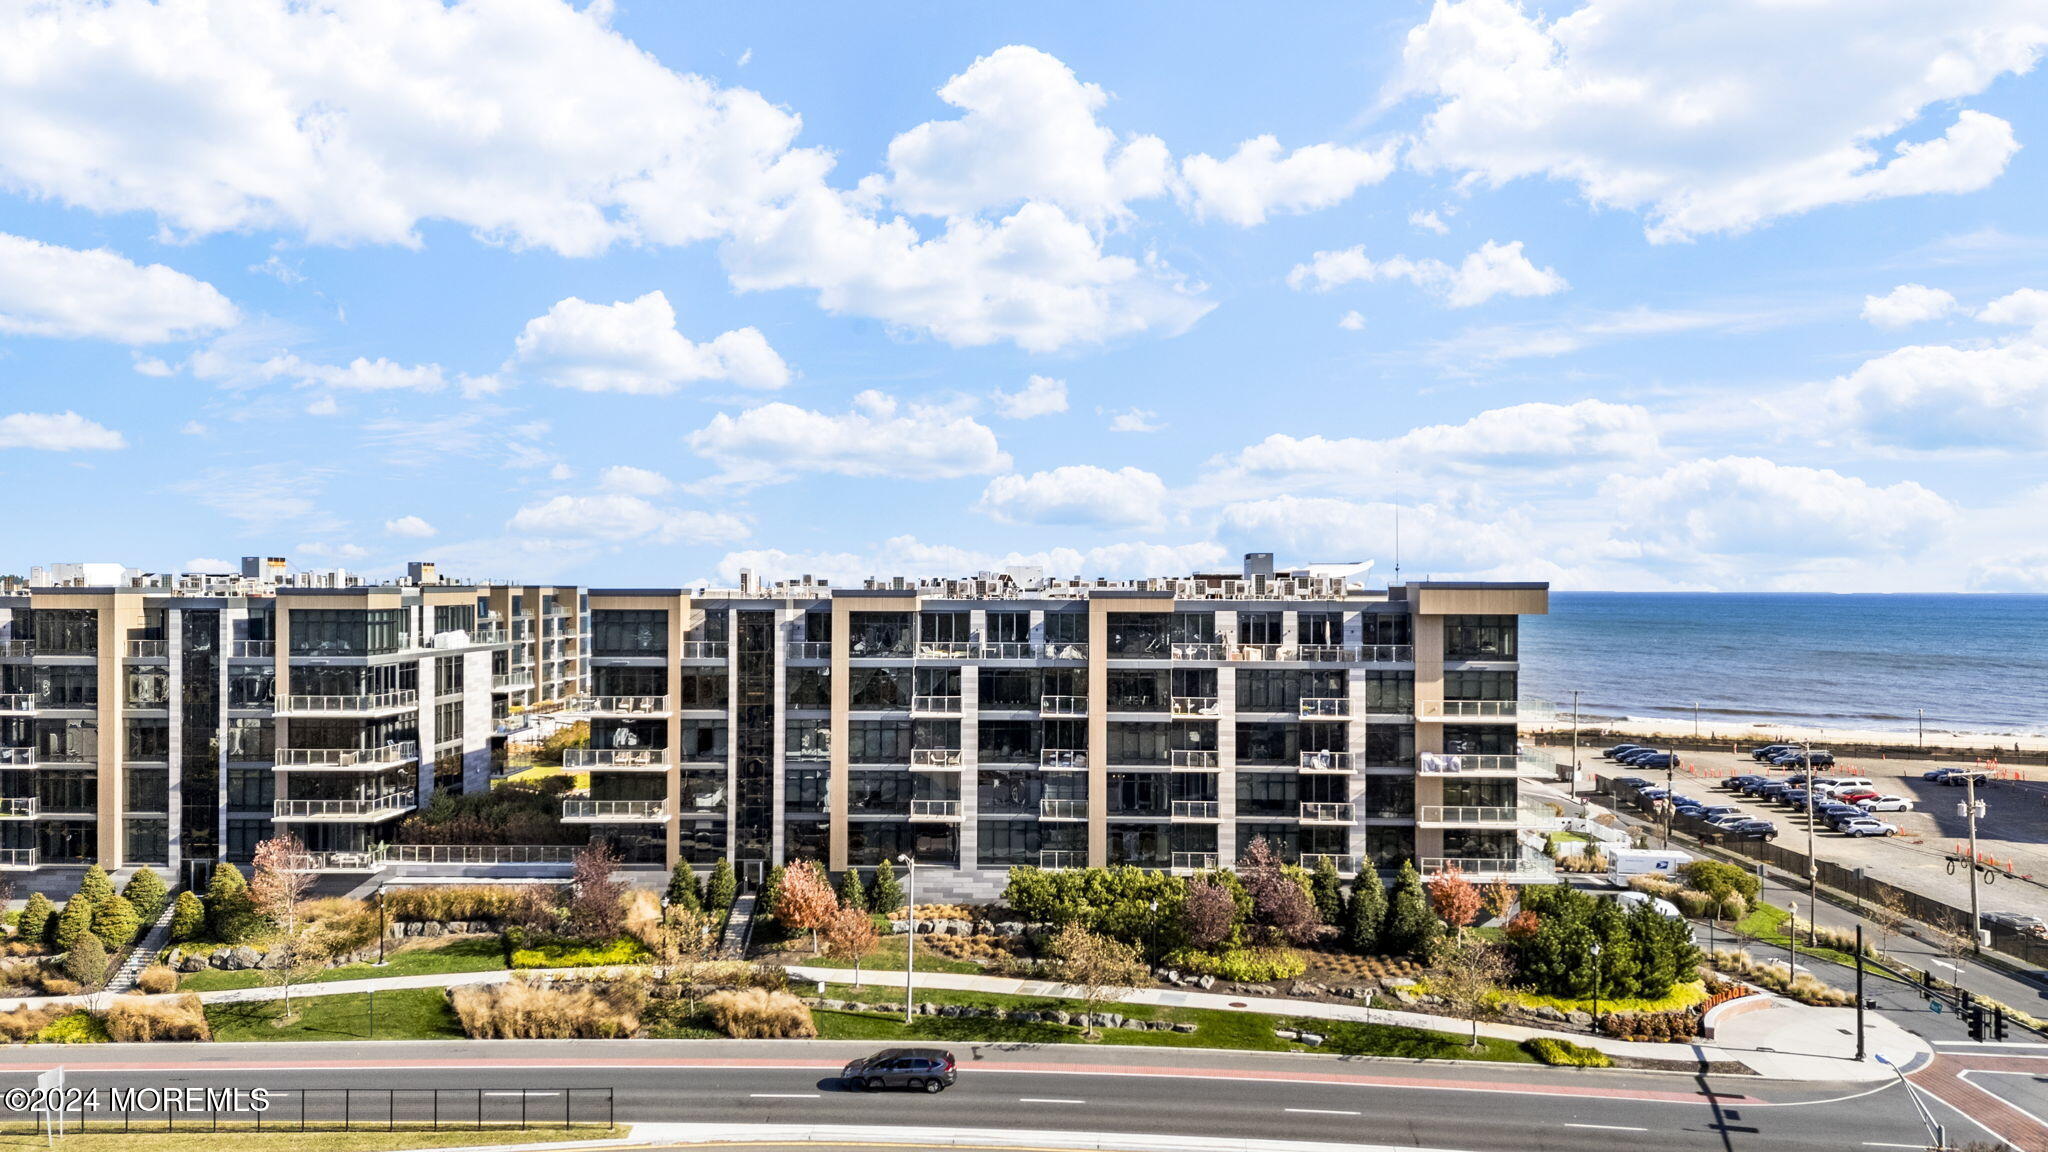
1626,295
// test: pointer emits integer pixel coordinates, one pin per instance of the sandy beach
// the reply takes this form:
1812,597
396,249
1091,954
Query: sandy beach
1747,735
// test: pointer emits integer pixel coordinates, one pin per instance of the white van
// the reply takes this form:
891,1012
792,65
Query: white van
1623,863
1830,785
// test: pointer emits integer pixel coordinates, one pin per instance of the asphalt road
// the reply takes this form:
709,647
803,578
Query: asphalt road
1481,1108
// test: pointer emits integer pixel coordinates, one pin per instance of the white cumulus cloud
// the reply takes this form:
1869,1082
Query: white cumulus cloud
1040,396
1078,494
46,290
877,437
1491,270
2026,308
634,481
410,527
1261,178
1906,305
1931,397
1747,506
634,346
57,432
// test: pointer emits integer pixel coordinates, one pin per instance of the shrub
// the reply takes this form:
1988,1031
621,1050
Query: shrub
21,1025
73,922
517,1010
755,1014
720,888
1411,930
230,912
188,918
887,895
34,925
1246,965
556,953
157,979
54,985
80,1027
452,902
94,885
682,888
145,890
1698,905
1565,1054
147,1019
1365,917
1718,879
1654,1027
1734,907
87,961
114,922
643,917
771,893
852,893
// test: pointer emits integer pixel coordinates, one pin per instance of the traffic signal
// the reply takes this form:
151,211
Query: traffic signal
1998,1024
1975,1015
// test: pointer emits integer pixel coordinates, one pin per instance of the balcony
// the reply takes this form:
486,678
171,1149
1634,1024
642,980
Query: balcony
1194,861
1006,650
1467,710
17,857
17,703
1065,650
1197,651
626,705
17,806
511,681
364,704
17,757
359,810
359,759
1197,810
1197,759
1254,652
935,705
1062,809
1468,764
1533,869
1345,865
934,757
149,649
615,759
477,853
702,650
1325,708
1332,762
1329,813
583,809
935,810
1327,653
327,862
945,650
808,650
1467,815
1063,759
1387,653
17,649
1053,859
1063,705
1195,705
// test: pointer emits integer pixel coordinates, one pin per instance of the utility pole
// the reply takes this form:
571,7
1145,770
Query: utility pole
1695,719
1812,865
1859,992
1670,782
1575,740
1922,714
1971,808
910,945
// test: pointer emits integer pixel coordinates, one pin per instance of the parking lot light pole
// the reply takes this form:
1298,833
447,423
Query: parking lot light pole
910,948
1670,783
1970,809
1812,865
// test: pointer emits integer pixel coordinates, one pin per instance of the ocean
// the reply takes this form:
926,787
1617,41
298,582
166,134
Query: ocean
1974,663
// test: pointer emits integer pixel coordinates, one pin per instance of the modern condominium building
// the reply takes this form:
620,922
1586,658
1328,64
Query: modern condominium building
974,724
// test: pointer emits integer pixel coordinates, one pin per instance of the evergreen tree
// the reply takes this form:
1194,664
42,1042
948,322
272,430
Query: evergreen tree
1411,928
1365,918
114,922
95,886
721,888
230,912
887,895
34,925
146,891
188,918
771,888
851,893
86,961
682,888
1326,889
74,922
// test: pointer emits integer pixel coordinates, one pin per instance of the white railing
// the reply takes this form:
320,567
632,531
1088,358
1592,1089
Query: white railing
1005,650
1470,709
336,861
1468,764
934,757
702,650
395,753
809,650
1066,650
1325,707
512,680
1327,653
1491,868
1326,761
477,853
1328,813
1062,758
1194,861
1197,651
17,649
807,755
17,857
945,650
393,802
1202,758
18,757
1467,814
1063,705
632,810
1063,809
627,705
364,702
148,649
1345,865
1387,653
1195,705
944,705
1197,810
1261,652
1050,858
614,759
934,809
17,805
253,650
17,701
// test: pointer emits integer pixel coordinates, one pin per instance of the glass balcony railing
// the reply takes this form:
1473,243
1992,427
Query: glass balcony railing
1063,758
1063,705
613,811
1328,813
1326,761
1062,809
1194,861
360,808
1197,810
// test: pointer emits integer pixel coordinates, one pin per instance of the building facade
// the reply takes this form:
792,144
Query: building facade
972,724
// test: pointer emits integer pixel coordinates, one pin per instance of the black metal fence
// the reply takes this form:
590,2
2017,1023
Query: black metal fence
146,1110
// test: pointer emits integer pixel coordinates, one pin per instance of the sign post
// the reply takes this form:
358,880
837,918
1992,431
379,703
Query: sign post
50,1084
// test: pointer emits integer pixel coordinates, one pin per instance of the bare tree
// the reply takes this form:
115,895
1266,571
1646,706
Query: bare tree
1887,913
280,885
851,935
1098,967
1467,974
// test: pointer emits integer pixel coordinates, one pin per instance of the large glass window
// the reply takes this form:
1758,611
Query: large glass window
1320,627
628,680
252,686
149,789
1268,744
149,686
148,840
1258,627
1139,741
807,739
1139,689
251,738
1390,745
1388,627
627,632
251,789
943,627
878,633
347,631
1007,741
149,739
1390,693
59,686
1282,690
1390,797
1479,637
67,632
809,687
878,741
1479,685
878,688
1479,739
1067,626
1008,688
1008,793
702,687
702,740
1009,627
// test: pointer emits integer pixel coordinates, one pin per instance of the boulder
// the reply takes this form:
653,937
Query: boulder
174,957
1205,982
192,963
1582,1019
243,958
1183,1027
1391,982
1058,1017
1407,996
1286,1033
273,959
1312,1039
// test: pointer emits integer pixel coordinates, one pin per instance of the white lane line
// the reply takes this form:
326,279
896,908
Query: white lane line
535,1093
1983,1044
783,1095
1608,1127
1908,1147
1046,1100
1323,1111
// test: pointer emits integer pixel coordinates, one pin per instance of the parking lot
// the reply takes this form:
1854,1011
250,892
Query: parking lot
2013,830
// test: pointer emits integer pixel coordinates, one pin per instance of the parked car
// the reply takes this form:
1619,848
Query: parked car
1735,783
1957,777
1714,811
1868,826
1756,830
1935,774
1770,750
921,1069
1886,804
2019,922
1632,781
1855,795
1757,787
1796,797
1656,792
1797,758
1615,752
1728,822
1771,790
1655,760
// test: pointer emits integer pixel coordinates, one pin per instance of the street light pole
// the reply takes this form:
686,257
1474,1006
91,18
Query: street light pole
1596,985
1934,1128
1575,740
1695,719
1670,782
1859,992
1812,866
1972,808
910,952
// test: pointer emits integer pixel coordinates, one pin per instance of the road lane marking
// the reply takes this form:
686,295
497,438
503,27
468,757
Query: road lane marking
1323,1111
1046,1100
1608,1127
1909,1147
535,1092
1983,1044
783,1095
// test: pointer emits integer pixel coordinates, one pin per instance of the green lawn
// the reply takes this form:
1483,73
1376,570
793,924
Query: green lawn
1682,996
1346,1038
402,1014
469,954
1766,923
888,957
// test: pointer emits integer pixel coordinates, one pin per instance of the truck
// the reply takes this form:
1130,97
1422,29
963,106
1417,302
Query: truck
1623,863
